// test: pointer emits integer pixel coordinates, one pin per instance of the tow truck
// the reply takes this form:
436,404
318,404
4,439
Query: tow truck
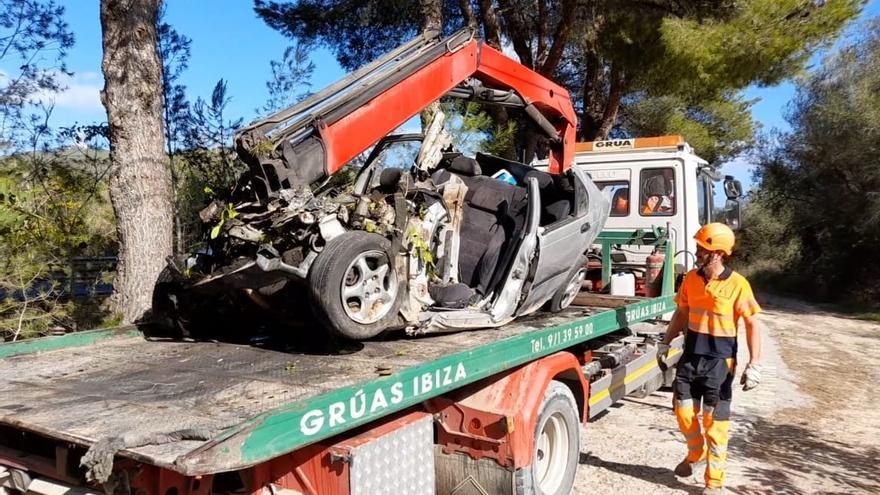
488,411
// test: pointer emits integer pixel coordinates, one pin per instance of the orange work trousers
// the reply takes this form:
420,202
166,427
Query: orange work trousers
708,382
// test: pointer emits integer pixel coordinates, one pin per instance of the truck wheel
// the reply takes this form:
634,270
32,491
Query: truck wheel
557,446
354,289
566,294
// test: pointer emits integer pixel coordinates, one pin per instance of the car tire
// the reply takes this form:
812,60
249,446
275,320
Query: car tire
351,295
170,311
567,293
557,446
181,312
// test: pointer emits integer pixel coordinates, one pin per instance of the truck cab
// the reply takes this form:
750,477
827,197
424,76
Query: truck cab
658,182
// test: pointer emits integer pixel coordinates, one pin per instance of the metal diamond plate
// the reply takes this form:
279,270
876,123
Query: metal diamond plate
399,463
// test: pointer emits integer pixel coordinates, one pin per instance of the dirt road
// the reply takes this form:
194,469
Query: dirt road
813,426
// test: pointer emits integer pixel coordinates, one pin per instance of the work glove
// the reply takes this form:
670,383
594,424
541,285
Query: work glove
751,377
662,355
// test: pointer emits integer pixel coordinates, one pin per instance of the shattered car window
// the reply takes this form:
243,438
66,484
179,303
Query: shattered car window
400,155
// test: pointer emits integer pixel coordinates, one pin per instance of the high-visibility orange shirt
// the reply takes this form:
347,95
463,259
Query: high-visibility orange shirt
714,310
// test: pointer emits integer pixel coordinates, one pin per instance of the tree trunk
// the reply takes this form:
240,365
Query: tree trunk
612,103
518,31
591,96
467,12
140,182
491,26
550,63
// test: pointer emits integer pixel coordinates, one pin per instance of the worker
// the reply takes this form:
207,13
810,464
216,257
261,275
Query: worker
620,205
656,193
654,205
711,302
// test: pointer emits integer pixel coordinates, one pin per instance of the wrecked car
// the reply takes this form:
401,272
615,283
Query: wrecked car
422,238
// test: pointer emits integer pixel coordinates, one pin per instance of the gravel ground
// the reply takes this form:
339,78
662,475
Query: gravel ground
813,426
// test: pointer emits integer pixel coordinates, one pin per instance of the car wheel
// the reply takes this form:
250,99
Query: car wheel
170,315
353,287
557,446
566,294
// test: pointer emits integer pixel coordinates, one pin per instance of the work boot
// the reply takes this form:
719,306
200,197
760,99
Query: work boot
714,491
684,469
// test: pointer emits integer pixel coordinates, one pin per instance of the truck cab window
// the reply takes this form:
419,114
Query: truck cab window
618,191
657,193
704,195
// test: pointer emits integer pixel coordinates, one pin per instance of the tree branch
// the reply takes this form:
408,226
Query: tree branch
541,29
491,27
560,38
467,12
517,32
589,124
612,105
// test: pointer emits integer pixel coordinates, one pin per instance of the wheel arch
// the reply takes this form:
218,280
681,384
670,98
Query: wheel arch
513,399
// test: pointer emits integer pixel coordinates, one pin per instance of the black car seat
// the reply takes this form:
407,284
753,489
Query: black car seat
458,164
555,202
494,216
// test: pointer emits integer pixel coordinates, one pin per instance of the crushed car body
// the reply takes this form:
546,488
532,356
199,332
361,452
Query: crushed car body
423,238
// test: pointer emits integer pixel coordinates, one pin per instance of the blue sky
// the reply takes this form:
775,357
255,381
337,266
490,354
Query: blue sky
230,42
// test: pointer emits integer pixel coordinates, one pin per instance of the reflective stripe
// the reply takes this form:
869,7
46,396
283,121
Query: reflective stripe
695,448
718,465
708,322
708,410
684,403
717,450
693,435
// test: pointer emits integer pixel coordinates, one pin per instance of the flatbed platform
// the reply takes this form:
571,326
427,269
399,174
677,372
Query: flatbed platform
258,402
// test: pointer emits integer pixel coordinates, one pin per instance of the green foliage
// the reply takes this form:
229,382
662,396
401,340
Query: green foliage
473,129
174,51
762,41
208,153
718,129
823,178
664,66
34,39
227,213
53,206
291,77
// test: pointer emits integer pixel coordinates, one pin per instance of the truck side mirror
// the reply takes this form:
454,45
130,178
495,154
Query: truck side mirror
732,213
732,188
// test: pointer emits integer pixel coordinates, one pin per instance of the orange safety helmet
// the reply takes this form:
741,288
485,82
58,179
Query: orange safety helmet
716,237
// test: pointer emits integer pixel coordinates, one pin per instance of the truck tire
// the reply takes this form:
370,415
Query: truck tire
354,291
557,446
566,294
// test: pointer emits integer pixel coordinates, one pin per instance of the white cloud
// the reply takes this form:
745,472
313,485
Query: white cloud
80,97
82,93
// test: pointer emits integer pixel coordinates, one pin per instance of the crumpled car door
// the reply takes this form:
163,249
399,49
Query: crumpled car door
562,244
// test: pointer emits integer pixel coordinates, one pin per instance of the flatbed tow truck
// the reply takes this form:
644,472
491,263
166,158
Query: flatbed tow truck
491,411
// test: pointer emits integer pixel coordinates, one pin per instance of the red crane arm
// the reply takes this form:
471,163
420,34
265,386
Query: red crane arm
326,131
